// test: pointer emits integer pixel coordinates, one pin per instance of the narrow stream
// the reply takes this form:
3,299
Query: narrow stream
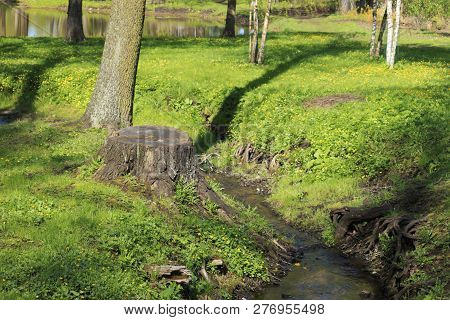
323,273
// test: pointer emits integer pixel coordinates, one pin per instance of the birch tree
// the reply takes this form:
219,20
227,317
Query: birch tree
111,104
398,13
250,32
390,31
264,32
381,34
254,33
374,28
75,31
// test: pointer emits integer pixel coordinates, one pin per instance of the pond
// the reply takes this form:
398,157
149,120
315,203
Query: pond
24,22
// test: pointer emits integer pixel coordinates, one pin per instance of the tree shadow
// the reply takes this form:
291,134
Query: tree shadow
33,73
220,125
423,53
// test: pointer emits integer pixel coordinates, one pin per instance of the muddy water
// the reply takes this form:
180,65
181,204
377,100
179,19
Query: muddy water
22,22
323,272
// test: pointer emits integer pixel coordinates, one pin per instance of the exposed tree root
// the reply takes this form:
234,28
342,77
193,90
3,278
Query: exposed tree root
383,239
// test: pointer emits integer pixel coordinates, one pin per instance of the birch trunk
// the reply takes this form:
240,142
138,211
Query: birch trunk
374,28
111,104
390,31
398,14
264,32
381,34
250,31
254,51
230,23
75,31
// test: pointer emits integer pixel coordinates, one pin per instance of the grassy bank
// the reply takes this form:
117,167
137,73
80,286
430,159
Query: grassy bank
390,134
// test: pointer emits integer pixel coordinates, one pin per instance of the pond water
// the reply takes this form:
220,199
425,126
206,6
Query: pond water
323,273
20,22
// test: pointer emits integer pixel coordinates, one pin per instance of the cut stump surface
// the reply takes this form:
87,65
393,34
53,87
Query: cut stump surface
157,156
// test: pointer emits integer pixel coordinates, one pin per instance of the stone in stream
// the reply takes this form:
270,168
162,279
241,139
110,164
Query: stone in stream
156,156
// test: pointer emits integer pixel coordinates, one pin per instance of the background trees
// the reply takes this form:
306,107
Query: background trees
75,21
230,23
256,49
111,103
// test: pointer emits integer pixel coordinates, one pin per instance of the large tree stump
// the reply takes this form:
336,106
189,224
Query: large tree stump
157,156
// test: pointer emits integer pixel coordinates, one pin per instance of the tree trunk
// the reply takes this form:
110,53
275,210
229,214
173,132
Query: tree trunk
390,31
111,104
396,32
374,28
75,31
230,23
254,51
381,34
250,31
346,5
264,32
157,156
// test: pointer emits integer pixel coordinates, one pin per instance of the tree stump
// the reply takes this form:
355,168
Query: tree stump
157,156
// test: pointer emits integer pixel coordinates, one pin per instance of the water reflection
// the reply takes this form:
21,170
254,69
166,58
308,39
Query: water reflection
16,22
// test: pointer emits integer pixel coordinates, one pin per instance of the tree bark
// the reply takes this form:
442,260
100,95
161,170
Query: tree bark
374,28
264,33
396,32
111,104
230,23
254,52
157,156
381,34
346,5
75,31
250,31
390,31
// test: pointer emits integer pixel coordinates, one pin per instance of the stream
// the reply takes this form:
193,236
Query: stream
324,273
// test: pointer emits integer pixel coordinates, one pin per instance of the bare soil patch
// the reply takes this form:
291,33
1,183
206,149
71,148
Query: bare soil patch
331,101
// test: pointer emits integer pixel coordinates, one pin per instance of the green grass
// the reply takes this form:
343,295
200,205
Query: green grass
57,221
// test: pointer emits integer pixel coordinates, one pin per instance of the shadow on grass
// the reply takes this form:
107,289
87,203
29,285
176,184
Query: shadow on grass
220,124
35,50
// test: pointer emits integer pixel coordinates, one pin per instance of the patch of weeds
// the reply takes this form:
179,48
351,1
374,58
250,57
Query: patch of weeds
210,206
87,170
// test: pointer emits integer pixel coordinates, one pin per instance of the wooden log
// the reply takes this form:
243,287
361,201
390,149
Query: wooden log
157,156
178,274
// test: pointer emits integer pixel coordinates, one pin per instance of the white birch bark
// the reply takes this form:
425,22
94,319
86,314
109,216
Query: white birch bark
264,32
254,51
374,28
398,15
390,31
250,31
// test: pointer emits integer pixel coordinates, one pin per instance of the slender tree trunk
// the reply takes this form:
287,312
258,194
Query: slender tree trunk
250,31
398,14
75,21
381,34
254,51
374,28
346,5
264,32
390,31
230,23
111,104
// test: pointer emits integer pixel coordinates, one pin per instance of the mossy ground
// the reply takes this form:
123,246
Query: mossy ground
65,235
